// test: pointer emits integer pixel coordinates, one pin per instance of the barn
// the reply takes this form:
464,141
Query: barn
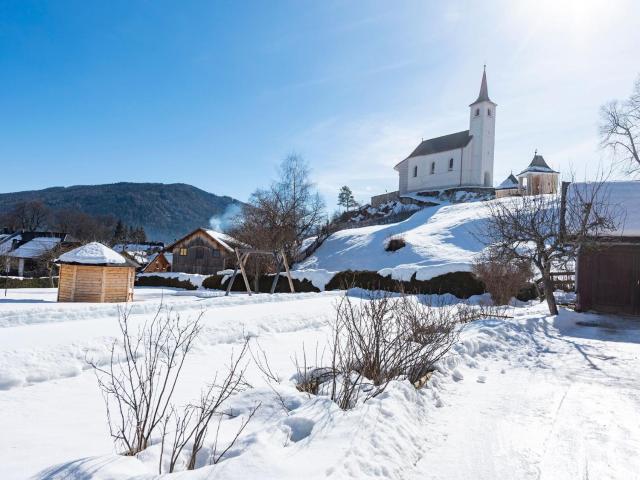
203,251
608,269
95,273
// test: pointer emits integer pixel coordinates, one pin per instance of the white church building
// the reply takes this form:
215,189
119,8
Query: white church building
460,159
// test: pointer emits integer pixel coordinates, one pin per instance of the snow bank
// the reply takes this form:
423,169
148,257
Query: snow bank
318,277
194,278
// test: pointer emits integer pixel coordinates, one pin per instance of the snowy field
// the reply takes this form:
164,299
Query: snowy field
532,397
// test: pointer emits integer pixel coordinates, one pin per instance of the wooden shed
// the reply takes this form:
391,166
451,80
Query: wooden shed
95,273
608,267
204,251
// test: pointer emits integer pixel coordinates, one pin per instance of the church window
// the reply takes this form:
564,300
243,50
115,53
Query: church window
477,112
183,252
433,168
415,171
489,111
450,164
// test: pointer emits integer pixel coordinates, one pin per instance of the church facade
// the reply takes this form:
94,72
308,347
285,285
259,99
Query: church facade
461,159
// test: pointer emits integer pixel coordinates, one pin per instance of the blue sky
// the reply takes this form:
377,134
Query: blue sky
215,94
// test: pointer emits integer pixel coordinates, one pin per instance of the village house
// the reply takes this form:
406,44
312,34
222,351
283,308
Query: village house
159,262
26,254
203,251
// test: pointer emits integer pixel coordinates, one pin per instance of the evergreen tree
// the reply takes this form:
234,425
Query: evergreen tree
346,199
120,233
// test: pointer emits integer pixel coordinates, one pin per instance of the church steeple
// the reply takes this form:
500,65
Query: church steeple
483,96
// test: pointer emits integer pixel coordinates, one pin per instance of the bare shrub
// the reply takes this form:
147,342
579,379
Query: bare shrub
141,376
380,339
192,424
395,243
502,278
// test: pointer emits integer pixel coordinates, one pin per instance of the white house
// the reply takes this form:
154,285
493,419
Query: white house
461,159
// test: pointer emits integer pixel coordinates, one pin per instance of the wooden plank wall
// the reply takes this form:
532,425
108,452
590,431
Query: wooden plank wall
80,283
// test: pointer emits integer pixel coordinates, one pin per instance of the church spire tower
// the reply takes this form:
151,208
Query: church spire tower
483,96
482,123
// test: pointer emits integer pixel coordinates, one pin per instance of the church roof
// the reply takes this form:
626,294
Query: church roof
442,144
537,165
510,182
483,96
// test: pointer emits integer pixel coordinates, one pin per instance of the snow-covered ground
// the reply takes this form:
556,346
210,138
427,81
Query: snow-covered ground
529,397
438,240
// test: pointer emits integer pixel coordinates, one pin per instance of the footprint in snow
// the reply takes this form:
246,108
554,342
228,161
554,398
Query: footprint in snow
481,379
457,375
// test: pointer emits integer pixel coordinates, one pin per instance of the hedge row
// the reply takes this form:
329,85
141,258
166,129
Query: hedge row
214,282
158,281
38,282
460,284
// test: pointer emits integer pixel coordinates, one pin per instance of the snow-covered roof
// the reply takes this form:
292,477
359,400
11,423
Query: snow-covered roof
510,182
621,198
135,247
35,248
6,243
227,241
538,165
93,253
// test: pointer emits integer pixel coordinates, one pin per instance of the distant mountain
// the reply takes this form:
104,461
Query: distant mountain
166,211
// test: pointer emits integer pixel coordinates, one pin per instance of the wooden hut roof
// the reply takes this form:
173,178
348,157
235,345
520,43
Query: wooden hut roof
96,254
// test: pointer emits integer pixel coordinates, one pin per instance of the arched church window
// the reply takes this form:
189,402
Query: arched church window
477,112
451,164
433,168
489,111
415,171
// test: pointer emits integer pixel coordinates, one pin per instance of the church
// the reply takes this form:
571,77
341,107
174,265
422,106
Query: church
460,159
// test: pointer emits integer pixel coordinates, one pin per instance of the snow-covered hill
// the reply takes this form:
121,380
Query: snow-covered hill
438,240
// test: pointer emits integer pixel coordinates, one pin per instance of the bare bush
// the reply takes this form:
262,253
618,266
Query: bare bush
394,243
380,339
139,381
192,424
502,278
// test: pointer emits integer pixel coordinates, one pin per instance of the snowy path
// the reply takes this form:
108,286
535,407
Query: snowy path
529,398
562,406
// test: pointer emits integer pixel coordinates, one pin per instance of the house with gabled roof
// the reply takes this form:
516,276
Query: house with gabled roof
203,251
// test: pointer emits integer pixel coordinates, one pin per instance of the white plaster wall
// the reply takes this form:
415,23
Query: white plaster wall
482,128
443,177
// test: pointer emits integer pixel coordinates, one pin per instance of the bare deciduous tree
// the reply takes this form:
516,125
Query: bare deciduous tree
620,130
539,230
28,216
283,215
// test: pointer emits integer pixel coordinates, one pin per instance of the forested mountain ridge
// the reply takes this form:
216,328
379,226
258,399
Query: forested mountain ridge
165,211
